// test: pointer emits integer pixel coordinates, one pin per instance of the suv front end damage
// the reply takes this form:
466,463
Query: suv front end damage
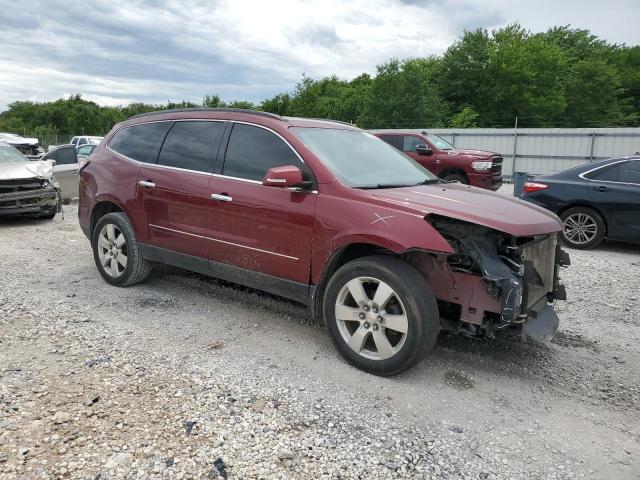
494,280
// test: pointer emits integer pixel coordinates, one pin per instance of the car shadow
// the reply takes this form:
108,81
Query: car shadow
21,221
618,247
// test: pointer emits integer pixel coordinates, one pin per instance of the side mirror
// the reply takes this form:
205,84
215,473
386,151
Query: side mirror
422,149
283,177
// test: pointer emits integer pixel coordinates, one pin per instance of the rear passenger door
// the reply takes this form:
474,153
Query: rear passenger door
256,227
174,188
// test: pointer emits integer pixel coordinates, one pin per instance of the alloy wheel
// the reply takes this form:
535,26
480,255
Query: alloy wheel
371,318
580,228
112,250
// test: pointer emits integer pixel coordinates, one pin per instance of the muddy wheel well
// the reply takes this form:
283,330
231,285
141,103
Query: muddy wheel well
336,260
100,210
585,205
453,171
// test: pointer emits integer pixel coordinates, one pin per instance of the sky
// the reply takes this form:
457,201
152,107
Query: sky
115,52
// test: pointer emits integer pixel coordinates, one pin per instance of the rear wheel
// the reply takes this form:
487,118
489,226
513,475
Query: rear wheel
116,251
381,314
583,228
456,177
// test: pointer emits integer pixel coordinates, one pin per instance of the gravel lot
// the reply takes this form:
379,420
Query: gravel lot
187,377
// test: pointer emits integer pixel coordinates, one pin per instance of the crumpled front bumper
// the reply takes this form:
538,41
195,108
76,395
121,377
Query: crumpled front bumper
40,201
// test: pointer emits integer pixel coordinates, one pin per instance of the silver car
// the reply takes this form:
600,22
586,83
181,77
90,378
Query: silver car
66,169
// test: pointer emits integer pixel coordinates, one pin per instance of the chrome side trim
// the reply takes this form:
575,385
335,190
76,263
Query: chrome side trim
225,242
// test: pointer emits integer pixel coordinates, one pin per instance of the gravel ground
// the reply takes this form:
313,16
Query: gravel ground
188,377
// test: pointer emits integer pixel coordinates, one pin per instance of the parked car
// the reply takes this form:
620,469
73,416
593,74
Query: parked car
28,147
85,140
26,187
381,250
478,168
595,201
66,169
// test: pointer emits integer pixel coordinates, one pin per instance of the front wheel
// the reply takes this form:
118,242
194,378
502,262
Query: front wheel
381,314
456,177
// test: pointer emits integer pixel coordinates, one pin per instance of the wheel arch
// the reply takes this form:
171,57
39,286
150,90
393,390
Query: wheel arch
100,209
453,170
336,259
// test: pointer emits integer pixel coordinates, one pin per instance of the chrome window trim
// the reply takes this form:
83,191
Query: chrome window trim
275,133
582,175
225,242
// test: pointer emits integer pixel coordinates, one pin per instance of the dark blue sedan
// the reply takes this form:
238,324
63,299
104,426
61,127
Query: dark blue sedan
595,201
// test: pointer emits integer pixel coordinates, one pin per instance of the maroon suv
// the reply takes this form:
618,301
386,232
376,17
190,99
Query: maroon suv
382,251
478,168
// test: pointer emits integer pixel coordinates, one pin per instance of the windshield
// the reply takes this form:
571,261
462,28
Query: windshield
439,142
362,160
10,155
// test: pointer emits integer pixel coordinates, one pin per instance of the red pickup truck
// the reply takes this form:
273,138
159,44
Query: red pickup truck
479,168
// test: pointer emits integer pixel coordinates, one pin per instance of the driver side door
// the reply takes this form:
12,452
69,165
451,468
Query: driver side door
65,170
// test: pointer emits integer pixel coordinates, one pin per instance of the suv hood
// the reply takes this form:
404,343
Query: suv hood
472,153
475,205
13,171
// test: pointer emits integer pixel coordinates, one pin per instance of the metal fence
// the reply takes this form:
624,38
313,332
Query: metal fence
544,150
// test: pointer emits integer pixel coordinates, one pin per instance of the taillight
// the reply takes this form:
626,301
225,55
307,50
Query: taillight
82,163
534,186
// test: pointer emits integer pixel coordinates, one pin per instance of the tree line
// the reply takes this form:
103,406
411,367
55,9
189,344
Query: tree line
563,77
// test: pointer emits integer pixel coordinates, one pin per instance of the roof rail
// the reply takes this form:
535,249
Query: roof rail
210,109
330,120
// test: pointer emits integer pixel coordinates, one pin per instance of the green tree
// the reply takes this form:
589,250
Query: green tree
466,118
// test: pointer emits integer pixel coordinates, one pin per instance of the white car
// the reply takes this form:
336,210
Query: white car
65,169
84,140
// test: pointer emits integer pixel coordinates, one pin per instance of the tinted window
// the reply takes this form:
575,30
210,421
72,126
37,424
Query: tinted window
140,142
63,156
253,150
608,174
630,172
192,145
82,141
411,142
394,140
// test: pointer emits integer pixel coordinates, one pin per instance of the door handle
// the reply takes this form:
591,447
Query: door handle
146,184
601,188
222,197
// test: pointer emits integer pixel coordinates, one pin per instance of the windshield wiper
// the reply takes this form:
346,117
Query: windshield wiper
428,181
383,185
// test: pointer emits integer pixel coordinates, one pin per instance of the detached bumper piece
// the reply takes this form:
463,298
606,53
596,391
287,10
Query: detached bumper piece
22,200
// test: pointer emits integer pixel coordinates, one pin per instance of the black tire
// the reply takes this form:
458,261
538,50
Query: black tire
48,216
411,295
137,268
593,217
456,177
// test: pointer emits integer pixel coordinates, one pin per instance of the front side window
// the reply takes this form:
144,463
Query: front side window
411,142
361,160
253,150
191,145
63,156
139,142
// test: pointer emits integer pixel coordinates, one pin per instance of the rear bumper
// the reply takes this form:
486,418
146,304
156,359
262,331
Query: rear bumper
488,181
31,202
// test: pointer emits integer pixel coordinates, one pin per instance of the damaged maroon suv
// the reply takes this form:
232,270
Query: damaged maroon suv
385,254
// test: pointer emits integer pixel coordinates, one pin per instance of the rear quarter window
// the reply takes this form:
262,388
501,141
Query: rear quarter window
140,142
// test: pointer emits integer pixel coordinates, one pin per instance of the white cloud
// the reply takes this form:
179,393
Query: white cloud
118,51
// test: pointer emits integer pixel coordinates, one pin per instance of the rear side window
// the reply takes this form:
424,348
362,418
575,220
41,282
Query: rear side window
630,172
140,142
192,145
64,156
394,140
607,174
253,150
